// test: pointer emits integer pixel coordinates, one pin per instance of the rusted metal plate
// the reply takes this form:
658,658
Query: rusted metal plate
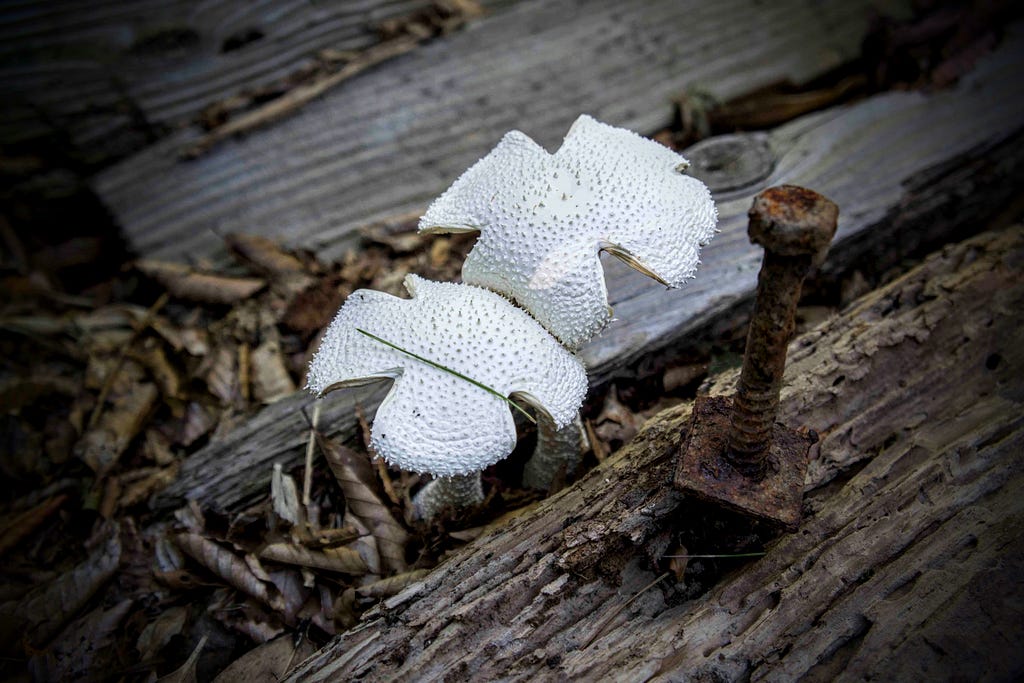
704,470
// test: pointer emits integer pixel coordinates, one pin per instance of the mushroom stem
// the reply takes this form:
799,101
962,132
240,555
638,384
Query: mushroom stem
556,449
459,491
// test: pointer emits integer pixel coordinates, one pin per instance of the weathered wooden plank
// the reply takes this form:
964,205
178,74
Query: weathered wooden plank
906,566
392,141
950,175
113,75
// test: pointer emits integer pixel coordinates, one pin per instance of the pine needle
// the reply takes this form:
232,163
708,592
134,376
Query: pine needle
458,374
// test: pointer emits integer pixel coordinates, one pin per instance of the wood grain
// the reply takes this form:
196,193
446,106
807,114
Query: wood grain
393,139
956,168
905,568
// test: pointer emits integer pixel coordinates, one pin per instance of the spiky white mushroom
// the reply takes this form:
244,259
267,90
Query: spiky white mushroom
544,219
432,420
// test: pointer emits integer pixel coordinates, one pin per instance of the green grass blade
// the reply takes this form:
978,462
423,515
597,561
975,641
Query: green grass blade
458,374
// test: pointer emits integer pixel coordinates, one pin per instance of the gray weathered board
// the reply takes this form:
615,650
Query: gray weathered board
906,169
907,566
110,76
393,139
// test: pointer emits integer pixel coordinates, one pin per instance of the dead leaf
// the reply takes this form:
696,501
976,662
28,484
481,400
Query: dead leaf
221,372
185,283
157,448
138,485
392,585
18,392
228,566
83,648
331,538
159,632
13,529
285,496
102,445
265,254
358,482
186,673
269,662
343,559
152,357
42,613
196,423
270,379
313,308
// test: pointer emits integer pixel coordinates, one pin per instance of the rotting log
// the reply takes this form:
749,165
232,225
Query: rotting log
907,170
907,565
390,141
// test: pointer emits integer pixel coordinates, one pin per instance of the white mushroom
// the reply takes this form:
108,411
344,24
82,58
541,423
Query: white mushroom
544,219
434,420
558,449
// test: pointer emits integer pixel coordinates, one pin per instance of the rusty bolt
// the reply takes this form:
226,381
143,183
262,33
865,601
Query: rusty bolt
795,226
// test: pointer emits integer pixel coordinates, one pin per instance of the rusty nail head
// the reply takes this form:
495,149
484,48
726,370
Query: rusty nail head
736,454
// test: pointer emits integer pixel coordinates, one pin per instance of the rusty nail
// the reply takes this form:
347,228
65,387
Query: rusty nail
795,226
736,454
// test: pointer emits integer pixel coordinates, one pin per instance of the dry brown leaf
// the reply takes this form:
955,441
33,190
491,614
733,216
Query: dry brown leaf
159,632
186,673
392,585
194,340
185,283
157,448
289,582
83,648
270,379
44,611
440,251
14,528
365,545
616,423
265,254
229,567
103,443
331,538
220,371
343,559
284,496
152,357
267,663
358,481
313,308
139,485
196,423
18,392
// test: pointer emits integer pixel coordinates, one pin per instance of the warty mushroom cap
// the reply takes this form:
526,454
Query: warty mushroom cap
433,421
544,219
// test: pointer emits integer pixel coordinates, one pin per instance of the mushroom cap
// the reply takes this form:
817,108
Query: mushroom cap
431,420
544,219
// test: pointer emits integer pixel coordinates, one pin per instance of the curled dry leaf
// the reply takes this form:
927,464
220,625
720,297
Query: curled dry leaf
42,613
14,528
186,673
138,485
185,283
270,378
83,648
104,442
265,254
392,585
344,559
358,481
269,662
365,545
229,567
152,357
284,496
159,632
220,370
